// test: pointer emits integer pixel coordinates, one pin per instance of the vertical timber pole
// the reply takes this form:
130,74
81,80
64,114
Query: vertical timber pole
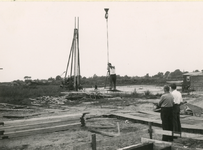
69,58
78,78
75,30
106,16
94,144
72,56
150,129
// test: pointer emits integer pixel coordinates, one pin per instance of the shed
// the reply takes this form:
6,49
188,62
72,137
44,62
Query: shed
193,81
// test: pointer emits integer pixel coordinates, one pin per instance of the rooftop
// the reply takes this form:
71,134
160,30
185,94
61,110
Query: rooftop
193,74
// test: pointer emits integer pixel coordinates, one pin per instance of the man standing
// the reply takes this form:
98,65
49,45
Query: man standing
112,74
176,108
166,104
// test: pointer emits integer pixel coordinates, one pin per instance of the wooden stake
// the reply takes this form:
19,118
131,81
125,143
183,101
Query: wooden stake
118,128
94,145
150,130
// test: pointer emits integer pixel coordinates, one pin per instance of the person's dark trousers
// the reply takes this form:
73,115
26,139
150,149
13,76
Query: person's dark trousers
167,121
113,81
176,119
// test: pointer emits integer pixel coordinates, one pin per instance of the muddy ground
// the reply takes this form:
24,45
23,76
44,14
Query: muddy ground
68,139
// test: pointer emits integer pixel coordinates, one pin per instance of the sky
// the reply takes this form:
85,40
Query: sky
143,37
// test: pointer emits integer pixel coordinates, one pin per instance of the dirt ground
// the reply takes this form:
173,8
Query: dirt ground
70,138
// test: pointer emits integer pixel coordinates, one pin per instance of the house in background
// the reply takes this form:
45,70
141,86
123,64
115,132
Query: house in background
192,81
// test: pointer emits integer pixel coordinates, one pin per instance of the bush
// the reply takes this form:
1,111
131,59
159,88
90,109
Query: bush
147,93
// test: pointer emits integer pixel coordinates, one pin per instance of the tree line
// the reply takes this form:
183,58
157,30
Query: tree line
158,79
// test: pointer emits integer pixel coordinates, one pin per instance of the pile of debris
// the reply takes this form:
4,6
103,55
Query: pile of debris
189,109
87,95
70,96
48,100
185,109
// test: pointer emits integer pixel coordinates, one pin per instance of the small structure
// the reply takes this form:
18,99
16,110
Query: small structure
193,81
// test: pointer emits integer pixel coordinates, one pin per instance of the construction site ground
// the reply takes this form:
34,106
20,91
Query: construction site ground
130,132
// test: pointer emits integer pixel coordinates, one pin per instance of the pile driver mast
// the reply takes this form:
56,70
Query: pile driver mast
72,82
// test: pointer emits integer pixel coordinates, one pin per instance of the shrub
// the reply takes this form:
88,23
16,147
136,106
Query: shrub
147,93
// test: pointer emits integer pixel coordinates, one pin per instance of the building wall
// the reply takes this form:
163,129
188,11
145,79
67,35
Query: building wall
196,83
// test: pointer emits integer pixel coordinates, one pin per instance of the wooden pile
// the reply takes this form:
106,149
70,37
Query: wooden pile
17,128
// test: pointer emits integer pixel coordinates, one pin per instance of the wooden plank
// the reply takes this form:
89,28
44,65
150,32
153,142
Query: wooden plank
193,128
158,114
141,146
157,144
136,118
94,142
32,120
41,130
30,123
143,140
38,125
183,134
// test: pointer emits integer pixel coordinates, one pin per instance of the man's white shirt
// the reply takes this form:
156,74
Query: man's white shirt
112,71
177,97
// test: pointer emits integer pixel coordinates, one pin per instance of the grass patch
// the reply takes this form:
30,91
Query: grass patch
21,94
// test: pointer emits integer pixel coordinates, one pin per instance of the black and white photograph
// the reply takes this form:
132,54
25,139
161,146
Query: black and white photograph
101,75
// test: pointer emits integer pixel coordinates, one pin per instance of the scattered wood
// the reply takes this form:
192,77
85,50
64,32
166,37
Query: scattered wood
85,95
41,130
